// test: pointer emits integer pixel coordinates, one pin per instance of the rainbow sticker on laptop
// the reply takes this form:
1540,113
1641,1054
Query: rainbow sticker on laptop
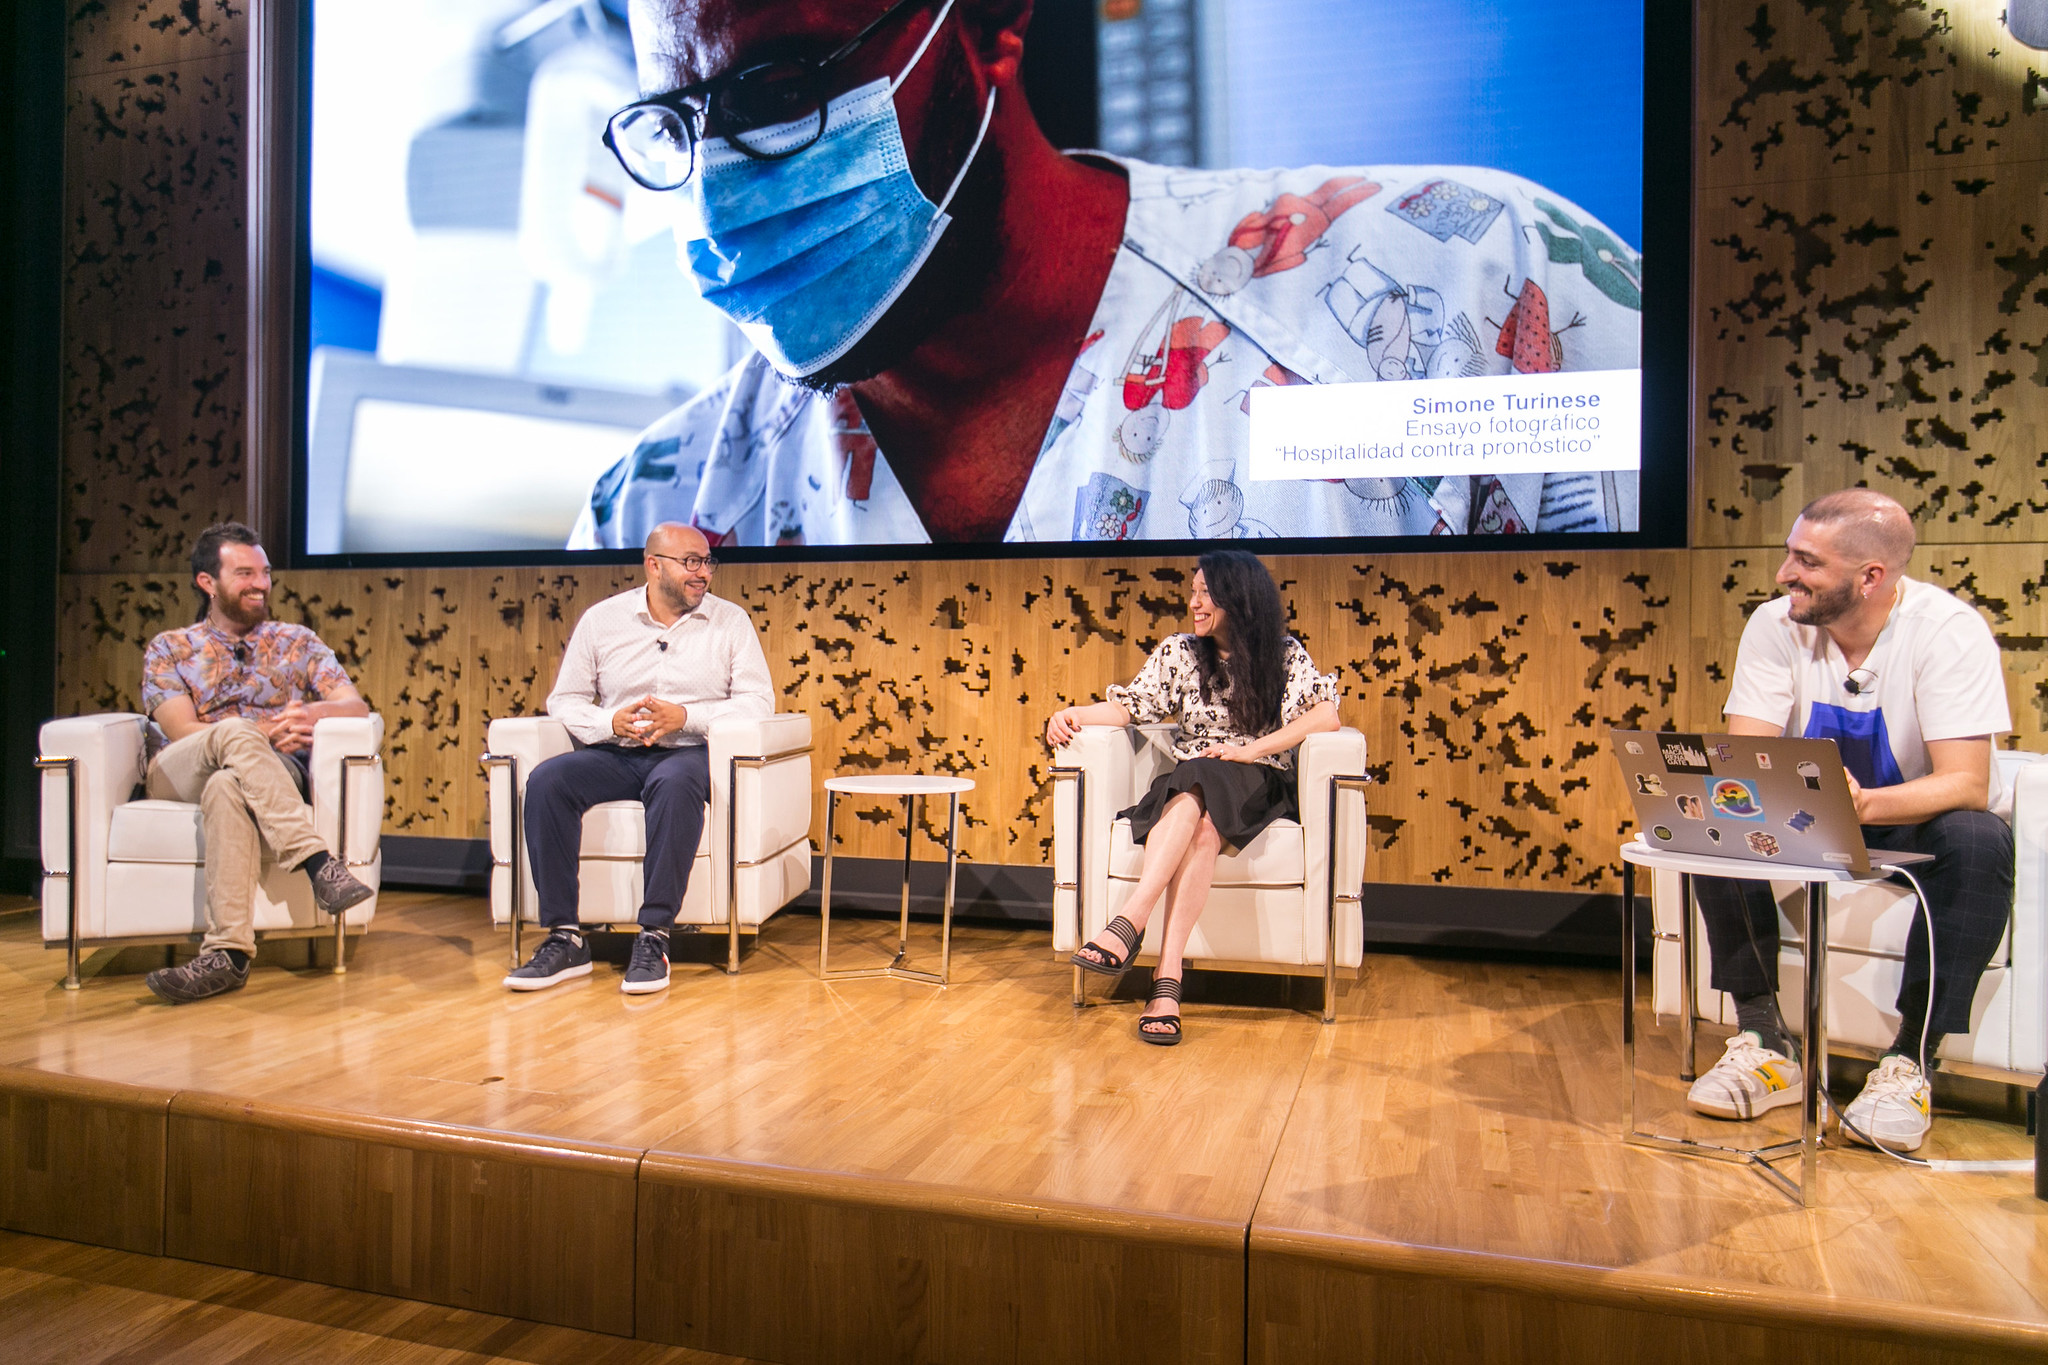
1735,799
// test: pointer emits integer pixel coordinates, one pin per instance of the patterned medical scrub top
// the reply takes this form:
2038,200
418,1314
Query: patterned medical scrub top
252,678
1169,687
1226,281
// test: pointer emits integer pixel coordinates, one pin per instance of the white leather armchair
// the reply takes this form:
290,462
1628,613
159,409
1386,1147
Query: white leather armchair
1867,927
118,870
754,857
1278,904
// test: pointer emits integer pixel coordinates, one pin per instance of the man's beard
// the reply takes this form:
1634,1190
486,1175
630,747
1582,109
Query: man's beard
231,609
675,599
1824,608
955,278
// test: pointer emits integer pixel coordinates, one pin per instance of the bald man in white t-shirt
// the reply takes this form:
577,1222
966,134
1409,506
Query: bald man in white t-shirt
1906,680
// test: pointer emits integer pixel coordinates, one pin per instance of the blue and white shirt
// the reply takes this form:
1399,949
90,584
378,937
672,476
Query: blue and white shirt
1226,281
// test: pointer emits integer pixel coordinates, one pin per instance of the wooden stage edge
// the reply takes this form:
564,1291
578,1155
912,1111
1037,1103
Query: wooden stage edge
894,1172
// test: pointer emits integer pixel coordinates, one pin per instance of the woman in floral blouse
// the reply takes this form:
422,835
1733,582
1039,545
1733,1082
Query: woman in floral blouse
1244,693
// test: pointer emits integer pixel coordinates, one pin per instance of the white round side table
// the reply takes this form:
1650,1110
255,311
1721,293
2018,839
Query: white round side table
913,788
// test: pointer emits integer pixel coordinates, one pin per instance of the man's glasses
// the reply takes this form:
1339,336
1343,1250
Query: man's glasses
690,563
656,139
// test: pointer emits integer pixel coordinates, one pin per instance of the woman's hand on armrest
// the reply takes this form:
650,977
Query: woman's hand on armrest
1067,722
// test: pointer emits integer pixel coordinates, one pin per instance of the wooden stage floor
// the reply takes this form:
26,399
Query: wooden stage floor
770,1167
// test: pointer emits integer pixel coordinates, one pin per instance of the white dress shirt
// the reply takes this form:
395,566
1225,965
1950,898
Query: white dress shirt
709,661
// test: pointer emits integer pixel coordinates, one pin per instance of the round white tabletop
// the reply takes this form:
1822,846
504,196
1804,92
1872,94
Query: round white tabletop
898,784
1700,865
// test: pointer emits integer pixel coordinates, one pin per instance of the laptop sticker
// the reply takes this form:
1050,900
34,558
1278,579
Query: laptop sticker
1691,807
1811,772
1649,784
1684,754
1801,821
1713,834
1661,831
1837,858
1763,762
1632,746
1762,844
1736,799
1724,752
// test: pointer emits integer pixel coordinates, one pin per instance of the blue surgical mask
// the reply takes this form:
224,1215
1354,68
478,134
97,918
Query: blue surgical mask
807,254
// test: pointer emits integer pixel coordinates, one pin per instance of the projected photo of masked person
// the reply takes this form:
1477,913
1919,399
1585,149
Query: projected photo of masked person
962,334
1244,694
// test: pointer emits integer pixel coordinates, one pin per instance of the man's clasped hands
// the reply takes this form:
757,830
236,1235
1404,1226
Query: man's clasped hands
648,720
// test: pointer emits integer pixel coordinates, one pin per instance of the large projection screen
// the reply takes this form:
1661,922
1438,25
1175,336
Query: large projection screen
1382,281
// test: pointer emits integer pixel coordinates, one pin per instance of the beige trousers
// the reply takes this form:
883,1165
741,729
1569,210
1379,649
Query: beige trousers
247,799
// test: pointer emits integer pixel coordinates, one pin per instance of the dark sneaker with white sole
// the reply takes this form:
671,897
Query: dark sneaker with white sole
648,971
212,973
335,888
561,957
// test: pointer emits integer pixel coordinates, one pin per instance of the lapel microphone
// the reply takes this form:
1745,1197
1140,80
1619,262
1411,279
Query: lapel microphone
661,645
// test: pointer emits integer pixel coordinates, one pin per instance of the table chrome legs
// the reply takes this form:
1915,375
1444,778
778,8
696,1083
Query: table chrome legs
1689,973
1816,1042
911,808
825,893
1806,1191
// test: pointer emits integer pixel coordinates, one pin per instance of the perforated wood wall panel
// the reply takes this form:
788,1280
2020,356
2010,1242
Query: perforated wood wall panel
1872,264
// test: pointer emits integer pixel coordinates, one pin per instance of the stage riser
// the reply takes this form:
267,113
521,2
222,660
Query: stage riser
1306,1312
81,1166
810,1282
536,1241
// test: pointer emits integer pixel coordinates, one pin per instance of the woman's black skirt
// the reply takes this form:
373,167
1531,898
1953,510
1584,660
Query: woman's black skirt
1241,798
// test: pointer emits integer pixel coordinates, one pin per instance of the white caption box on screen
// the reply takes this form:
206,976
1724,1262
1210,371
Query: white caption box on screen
1422,428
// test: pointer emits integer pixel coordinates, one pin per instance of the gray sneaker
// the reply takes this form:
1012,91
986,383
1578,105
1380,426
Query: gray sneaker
648,971
212,973
559,958
335,888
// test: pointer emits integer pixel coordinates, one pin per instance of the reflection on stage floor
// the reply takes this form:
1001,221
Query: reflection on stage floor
779,1168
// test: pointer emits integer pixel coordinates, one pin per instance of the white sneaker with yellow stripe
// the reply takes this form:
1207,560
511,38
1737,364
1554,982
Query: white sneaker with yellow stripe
1894,1109
1750,1079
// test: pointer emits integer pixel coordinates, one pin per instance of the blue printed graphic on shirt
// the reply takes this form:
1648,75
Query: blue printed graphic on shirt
1865,744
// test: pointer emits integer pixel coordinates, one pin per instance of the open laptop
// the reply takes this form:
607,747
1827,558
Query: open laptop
1762,800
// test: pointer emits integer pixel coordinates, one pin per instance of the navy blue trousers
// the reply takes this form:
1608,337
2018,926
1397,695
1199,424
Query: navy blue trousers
1969,895
673,784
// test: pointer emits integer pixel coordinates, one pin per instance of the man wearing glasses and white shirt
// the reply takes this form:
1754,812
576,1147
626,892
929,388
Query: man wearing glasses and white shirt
647,674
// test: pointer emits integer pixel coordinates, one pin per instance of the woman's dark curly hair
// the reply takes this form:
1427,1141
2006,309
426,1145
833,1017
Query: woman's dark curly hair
1253,680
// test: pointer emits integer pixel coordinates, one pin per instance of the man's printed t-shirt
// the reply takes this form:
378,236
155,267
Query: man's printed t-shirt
1937,676
1226,282
251,678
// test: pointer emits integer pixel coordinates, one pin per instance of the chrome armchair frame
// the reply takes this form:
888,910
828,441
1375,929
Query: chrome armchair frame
348,762
510,762
1339,782
68,765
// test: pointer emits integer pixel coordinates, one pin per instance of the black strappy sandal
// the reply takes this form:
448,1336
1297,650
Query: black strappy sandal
1112,965
1167,987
